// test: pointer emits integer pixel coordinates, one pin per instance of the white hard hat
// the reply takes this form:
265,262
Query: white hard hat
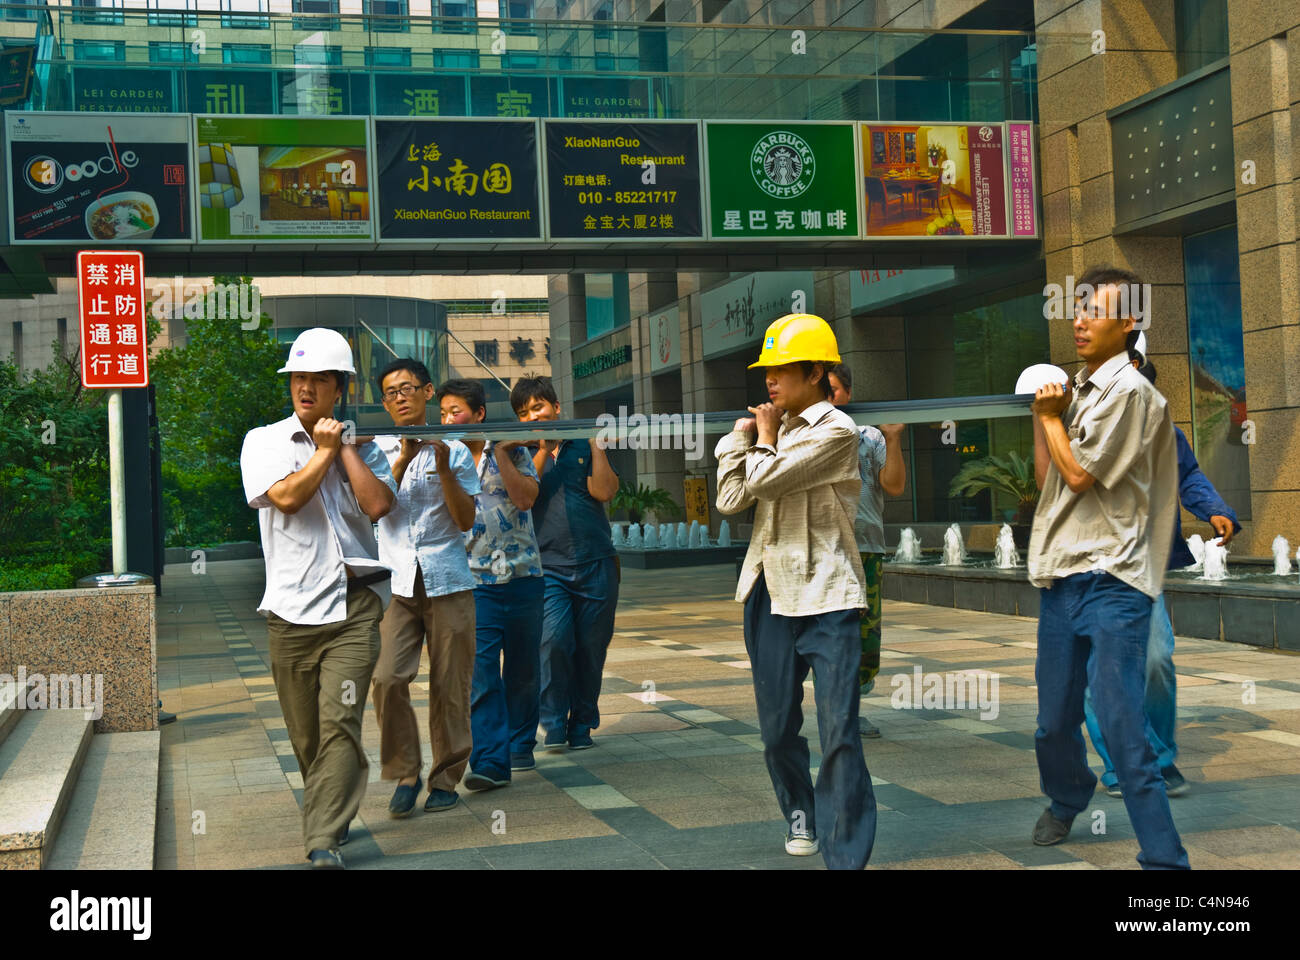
1040,374
317,350
1141,345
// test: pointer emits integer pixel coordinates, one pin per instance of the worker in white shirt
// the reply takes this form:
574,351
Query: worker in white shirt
318,498
803,588
433,599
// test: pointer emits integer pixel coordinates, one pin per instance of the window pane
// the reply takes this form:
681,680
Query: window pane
99,50
1201,31
1218,360
247,21
975,351
246,53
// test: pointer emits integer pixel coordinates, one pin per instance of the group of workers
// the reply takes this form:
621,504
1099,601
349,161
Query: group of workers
497,558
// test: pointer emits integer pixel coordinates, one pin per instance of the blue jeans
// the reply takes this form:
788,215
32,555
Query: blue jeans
503,698
841,809
577,625
1092,633
1160,703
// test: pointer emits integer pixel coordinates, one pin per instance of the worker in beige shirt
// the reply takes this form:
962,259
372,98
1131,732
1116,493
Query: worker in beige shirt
1107,465
803,588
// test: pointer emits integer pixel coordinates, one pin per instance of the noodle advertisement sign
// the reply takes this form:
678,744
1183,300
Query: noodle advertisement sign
78,178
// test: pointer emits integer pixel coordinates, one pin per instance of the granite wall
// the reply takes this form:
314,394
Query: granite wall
108,631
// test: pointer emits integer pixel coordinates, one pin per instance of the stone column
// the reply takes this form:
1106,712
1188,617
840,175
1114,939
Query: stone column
1264,45
566,294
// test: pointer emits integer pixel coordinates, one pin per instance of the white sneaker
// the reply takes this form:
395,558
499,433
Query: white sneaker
801,844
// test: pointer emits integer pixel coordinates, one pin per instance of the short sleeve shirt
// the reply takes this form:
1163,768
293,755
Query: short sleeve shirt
419,529
869,524
572,528
308,553
502,545
1121,433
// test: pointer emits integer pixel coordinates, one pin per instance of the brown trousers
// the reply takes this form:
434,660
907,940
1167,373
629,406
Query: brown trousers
446,625
322,672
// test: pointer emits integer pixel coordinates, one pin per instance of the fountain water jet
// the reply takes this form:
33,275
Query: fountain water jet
1197,546
724,534
1005,554
1216,561
1281,556
909,547
634,536
954,550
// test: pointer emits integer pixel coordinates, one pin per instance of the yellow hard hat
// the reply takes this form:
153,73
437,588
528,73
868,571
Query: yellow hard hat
795,337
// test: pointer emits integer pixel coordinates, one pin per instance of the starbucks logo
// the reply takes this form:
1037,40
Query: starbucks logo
782,164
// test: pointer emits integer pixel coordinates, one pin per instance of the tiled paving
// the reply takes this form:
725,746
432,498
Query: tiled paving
677,779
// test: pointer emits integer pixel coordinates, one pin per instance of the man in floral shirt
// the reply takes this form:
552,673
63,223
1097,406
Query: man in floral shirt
507,570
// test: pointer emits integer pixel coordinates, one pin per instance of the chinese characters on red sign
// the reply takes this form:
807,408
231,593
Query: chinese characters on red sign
110,287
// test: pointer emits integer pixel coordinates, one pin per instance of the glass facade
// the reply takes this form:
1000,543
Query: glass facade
550,67
1201,33
397,327
1218,363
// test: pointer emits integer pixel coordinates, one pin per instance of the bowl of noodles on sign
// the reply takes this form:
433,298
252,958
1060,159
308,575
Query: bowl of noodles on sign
122,216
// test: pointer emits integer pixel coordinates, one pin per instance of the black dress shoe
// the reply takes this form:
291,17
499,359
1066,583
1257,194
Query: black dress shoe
1049,830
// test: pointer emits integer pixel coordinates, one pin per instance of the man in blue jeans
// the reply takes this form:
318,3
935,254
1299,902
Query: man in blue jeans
580,568
1198,495
507,570
1100,543
796,462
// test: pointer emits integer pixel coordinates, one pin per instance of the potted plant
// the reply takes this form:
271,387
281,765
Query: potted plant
1011,474
638,499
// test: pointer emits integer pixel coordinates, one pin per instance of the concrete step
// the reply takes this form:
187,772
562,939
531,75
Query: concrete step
111,820
40,761
9,712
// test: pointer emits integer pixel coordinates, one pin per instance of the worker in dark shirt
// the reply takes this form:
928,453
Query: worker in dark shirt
1198,497
580,568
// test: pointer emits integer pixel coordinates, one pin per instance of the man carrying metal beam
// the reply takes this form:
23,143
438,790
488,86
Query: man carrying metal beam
326,588
803,588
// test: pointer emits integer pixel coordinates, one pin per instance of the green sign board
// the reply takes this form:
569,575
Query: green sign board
282,179
781,181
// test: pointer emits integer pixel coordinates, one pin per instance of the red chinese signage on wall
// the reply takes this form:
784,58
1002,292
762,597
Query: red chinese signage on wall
110,286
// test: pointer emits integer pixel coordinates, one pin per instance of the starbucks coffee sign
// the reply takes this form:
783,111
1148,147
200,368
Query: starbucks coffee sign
781,181
782,164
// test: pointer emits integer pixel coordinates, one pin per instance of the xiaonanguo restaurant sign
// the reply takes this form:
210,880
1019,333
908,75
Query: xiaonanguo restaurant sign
105,178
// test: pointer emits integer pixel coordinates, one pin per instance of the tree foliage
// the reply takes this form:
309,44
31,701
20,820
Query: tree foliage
54,499
210,393
638,499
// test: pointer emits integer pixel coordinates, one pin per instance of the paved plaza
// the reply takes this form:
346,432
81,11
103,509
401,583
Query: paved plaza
677,779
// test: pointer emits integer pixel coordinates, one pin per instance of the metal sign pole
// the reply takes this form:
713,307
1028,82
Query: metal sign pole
116,480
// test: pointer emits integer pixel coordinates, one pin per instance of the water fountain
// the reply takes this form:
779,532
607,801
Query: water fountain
1216,561
1197,546
1005,554
666,536
1281,556
693,535
634,536
683,535
616,535
954,550
724,534
909,547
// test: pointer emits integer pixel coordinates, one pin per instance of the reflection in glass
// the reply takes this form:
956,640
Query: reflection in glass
1218,361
